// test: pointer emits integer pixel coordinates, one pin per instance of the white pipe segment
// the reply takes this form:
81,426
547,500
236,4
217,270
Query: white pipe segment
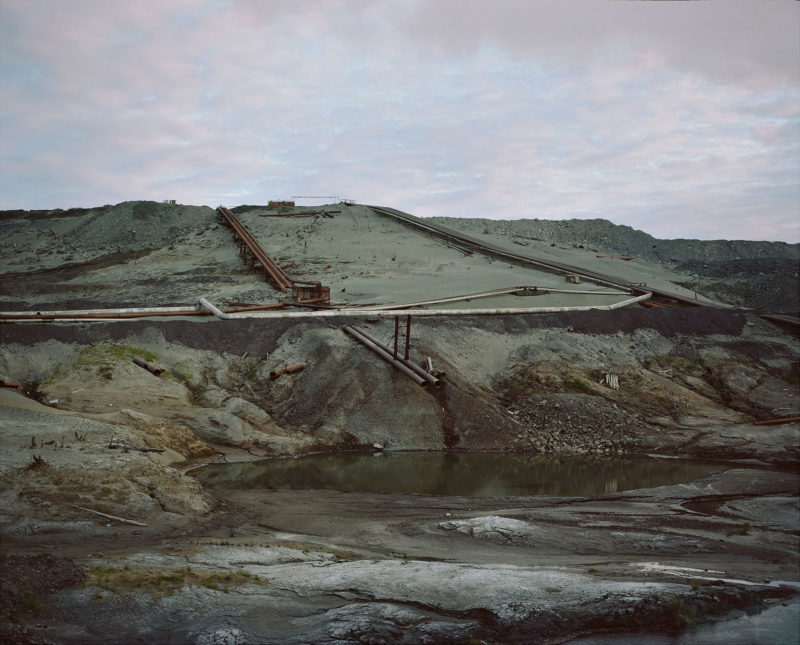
390,313
202,303
499,292
214,310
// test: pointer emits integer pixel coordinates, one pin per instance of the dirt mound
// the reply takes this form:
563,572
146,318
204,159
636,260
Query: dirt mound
27,578
602,235
131,226
765,284
759,275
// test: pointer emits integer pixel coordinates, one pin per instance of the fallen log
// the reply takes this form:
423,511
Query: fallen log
123,446
110,517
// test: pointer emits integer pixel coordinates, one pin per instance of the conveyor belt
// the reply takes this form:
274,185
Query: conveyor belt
279,279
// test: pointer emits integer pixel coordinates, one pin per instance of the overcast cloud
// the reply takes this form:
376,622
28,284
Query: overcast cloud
681,119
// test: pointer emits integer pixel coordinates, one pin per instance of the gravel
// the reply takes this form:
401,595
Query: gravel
576,423
132,226
759,275
602,235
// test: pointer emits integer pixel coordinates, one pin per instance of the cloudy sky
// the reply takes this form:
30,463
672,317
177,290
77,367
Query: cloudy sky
681,119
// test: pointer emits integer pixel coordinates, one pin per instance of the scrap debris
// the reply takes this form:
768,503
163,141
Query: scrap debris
289,369
110,517
611,380
125,447
775,422
157,371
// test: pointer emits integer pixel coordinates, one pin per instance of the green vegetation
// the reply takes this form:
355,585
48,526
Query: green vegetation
298,546
162,582
102,357
31,603
52,377
678,364
578,384
683,614
102,353
558,376
40,482
742,529
181,372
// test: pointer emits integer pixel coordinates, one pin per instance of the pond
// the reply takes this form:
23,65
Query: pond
461,474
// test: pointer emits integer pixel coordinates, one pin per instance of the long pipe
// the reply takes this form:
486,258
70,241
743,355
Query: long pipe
499,292
386,356
110,315
143,312
389,313
409,364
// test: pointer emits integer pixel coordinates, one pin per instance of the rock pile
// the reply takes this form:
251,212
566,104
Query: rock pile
575,423
602,235
759,275
133,226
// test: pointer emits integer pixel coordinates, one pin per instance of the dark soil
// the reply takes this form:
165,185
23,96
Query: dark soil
25,582
259,337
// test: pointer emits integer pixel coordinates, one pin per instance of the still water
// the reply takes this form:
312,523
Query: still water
447,473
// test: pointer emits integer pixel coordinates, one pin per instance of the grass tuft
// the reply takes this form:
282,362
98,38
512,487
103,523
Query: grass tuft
163,582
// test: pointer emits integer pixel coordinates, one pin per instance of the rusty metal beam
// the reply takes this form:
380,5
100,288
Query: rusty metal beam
775,422
156,371
289,369
279,279
386,356
408,336
433,380
396,335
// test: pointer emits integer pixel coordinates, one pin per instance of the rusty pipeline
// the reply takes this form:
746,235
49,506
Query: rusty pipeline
289,369
386,356
158,371
428,367
775,422
430,378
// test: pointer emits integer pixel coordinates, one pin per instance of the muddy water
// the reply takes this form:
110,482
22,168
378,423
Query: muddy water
462,474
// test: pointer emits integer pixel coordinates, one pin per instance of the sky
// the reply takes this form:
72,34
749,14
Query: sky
681,119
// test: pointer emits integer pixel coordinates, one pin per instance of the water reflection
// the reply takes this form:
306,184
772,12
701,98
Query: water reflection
443,473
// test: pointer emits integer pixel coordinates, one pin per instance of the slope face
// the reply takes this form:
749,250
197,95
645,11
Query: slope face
151,254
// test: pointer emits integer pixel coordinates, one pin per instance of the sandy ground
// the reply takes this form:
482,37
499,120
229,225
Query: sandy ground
91,430
365,259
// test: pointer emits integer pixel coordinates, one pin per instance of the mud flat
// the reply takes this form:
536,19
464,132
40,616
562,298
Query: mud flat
289,566
106,534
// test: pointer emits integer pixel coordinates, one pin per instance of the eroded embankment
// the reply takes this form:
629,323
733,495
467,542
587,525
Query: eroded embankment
107,436
512,382
691,382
